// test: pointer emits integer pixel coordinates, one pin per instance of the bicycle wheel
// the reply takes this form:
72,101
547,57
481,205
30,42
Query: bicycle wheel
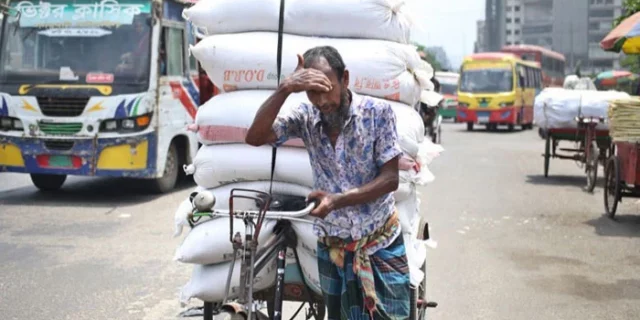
592,167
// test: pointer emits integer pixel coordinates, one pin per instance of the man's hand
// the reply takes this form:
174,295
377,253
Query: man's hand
306,80
325,203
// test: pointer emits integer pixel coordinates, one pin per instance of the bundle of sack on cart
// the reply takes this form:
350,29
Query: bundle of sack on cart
238,52
579,117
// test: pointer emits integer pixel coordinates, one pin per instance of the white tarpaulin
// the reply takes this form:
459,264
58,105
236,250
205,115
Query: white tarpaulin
558,108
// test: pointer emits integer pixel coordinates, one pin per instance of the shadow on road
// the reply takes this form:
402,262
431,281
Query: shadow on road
561,180
481,130
97,192
626,226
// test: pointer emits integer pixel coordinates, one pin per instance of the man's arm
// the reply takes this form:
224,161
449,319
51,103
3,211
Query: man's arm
262,129
387,154
386,182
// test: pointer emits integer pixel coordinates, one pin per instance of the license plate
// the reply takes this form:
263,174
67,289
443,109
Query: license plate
483,118
60,161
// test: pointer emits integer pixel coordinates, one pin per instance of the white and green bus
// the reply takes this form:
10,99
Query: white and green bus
97,88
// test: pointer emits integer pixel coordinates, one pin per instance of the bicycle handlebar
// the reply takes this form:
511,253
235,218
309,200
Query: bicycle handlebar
271,214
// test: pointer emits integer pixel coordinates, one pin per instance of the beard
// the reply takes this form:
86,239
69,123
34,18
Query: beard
336,119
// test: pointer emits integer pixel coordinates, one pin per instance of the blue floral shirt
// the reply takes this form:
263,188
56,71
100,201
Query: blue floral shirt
367,142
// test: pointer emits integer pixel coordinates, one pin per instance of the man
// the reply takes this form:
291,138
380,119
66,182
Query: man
354,154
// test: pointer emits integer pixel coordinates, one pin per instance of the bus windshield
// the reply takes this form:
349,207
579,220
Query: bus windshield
448,88
77,42
486,80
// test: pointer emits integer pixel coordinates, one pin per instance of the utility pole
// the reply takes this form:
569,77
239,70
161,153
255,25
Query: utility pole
573,61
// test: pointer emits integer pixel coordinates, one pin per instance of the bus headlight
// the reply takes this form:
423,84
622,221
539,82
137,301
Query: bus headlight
11,124
132,124
507,104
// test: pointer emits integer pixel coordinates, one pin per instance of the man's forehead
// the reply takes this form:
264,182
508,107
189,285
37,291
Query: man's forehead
321,64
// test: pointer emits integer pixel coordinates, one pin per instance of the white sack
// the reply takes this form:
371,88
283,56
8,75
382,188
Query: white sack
309,266
557,108
378,68
217,165
408,212
222,194
375,19
208,242
225,118
417,256
208,282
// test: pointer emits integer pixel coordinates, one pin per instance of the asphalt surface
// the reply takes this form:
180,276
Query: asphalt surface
511,243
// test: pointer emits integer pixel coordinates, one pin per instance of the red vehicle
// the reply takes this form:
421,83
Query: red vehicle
622,175
552,63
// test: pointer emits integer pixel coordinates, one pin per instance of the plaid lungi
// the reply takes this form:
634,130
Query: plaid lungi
342,288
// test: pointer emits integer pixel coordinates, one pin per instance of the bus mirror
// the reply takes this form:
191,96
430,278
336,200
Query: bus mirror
8,11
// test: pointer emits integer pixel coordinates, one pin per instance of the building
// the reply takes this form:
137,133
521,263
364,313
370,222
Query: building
600,21
480,44
495,25
513,22
572,27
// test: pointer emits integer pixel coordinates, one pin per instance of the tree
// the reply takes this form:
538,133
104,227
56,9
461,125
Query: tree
428,57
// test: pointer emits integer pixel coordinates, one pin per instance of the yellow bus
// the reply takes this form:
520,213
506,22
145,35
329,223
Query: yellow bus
497,89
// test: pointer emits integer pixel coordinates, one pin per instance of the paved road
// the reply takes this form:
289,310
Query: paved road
512,244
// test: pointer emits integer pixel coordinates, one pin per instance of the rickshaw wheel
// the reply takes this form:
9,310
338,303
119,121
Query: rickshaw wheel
547,156
592,168
612,186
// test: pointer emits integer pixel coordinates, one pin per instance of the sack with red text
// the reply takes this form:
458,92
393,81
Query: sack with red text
377,68
222,164
225,118
366,19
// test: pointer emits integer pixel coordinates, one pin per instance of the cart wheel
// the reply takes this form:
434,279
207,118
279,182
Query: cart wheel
592,167
612,186
547,156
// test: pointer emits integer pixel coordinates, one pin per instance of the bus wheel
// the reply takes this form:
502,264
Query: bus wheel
48,182
510,127
469,126
169,178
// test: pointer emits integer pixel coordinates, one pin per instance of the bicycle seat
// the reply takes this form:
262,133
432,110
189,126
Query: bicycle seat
286,202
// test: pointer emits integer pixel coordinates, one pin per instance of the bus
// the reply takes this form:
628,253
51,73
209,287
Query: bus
449,90
97,88
551,62
497,89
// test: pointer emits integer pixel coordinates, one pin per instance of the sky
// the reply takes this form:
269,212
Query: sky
450,24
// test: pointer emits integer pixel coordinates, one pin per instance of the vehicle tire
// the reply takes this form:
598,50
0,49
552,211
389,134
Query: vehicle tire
592,168
469,126
48,182
612,186
169,177
510,128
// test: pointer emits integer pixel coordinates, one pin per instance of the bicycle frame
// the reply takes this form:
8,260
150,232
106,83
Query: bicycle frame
253,260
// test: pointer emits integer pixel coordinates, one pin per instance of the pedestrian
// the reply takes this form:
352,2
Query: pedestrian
353,149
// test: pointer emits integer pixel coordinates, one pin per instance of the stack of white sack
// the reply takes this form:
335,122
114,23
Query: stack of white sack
239,52
557,108
239,55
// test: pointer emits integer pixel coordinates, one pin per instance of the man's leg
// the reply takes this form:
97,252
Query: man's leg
330,282
393,287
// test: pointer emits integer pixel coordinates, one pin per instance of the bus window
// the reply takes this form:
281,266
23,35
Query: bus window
175,51
193,66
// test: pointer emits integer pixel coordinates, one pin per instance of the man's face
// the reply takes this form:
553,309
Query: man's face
332,101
